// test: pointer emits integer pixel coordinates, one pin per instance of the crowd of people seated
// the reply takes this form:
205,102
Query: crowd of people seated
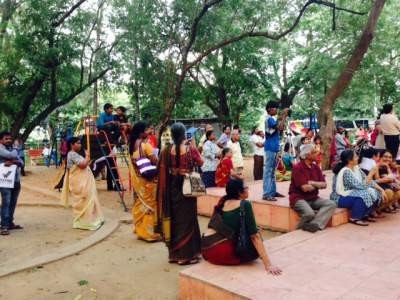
366,182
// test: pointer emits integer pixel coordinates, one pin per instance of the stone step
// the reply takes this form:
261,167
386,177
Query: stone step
271,215
346,262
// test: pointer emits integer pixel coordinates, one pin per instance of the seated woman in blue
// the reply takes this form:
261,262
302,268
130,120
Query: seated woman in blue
351,189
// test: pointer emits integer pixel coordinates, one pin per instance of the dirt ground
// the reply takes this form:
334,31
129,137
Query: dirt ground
120,267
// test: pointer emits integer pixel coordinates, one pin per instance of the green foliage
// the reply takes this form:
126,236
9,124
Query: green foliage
232,83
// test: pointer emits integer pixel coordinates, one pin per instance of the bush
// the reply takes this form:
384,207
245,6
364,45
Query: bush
245,144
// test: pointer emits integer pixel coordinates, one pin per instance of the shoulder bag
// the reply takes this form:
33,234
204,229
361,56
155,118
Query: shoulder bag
193,185
144,166
244,246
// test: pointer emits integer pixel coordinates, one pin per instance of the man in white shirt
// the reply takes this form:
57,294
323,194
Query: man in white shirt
390,127
203,139
46,155
225,136
257,140
234,145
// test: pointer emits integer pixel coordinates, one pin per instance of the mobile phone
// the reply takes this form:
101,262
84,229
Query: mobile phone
188,136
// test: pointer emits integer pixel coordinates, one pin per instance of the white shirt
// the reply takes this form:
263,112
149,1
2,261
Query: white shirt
210,151
389,124
367,164
237,158
46,151
254,139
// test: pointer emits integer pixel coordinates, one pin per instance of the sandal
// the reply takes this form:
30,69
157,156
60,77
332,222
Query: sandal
4,231
358,222
188,262
369,219
15,226
377,216
389,211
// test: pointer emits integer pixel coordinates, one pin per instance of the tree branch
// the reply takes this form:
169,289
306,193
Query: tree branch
195,25
265,34
53,106
61,20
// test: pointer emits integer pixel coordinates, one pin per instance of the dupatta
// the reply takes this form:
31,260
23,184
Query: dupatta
163,196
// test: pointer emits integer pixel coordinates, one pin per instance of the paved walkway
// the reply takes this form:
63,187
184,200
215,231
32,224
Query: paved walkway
346,262
111,224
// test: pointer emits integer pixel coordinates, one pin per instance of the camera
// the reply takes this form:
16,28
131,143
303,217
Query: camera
289,111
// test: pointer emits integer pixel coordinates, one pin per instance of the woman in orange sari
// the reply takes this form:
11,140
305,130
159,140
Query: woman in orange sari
145,206
225,169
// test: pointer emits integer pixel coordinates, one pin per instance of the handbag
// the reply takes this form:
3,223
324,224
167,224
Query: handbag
144,166
244,246
193,185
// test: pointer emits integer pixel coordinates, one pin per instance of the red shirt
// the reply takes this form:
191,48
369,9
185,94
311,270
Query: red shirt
152,139
301,174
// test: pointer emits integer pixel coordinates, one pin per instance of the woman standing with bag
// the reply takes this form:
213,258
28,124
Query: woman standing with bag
144,184
232,237
177,213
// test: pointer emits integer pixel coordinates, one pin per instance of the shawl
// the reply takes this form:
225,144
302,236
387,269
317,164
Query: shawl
163,196
340,189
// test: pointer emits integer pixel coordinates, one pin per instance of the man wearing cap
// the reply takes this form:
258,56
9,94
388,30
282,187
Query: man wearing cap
273,128
307,179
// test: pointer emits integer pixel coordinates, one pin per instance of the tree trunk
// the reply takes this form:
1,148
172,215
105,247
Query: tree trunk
7,10
20,117
135,84
325,114
98,40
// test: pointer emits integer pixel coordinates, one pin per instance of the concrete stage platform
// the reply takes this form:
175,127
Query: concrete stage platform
272,215
348,262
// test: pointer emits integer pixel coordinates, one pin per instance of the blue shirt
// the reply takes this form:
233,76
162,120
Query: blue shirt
104,118
271,134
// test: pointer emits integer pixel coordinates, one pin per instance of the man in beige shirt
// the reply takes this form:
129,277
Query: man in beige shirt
390,127
234,145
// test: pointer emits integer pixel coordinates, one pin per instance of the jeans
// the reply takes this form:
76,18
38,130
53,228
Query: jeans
269,183
305,209
46,159
9,199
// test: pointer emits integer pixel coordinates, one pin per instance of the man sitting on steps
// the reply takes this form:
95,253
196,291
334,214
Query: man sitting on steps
307,179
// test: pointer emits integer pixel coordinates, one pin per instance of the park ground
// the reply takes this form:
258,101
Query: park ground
119,267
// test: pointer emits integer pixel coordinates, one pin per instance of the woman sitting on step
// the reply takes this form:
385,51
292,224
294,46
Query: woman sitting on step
383,176
233,223
351,189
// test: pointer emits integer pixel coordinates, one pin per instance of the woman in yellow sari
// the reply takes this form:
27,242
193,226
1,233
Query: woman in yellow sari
80,183
145,207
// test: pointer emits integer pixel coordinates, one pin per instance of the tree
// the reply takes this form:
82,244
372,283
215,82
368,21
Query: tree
344,79
49,60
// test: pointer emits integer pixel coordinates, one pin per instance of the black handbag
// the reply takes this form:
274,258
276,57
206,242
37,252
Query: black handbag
244,246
